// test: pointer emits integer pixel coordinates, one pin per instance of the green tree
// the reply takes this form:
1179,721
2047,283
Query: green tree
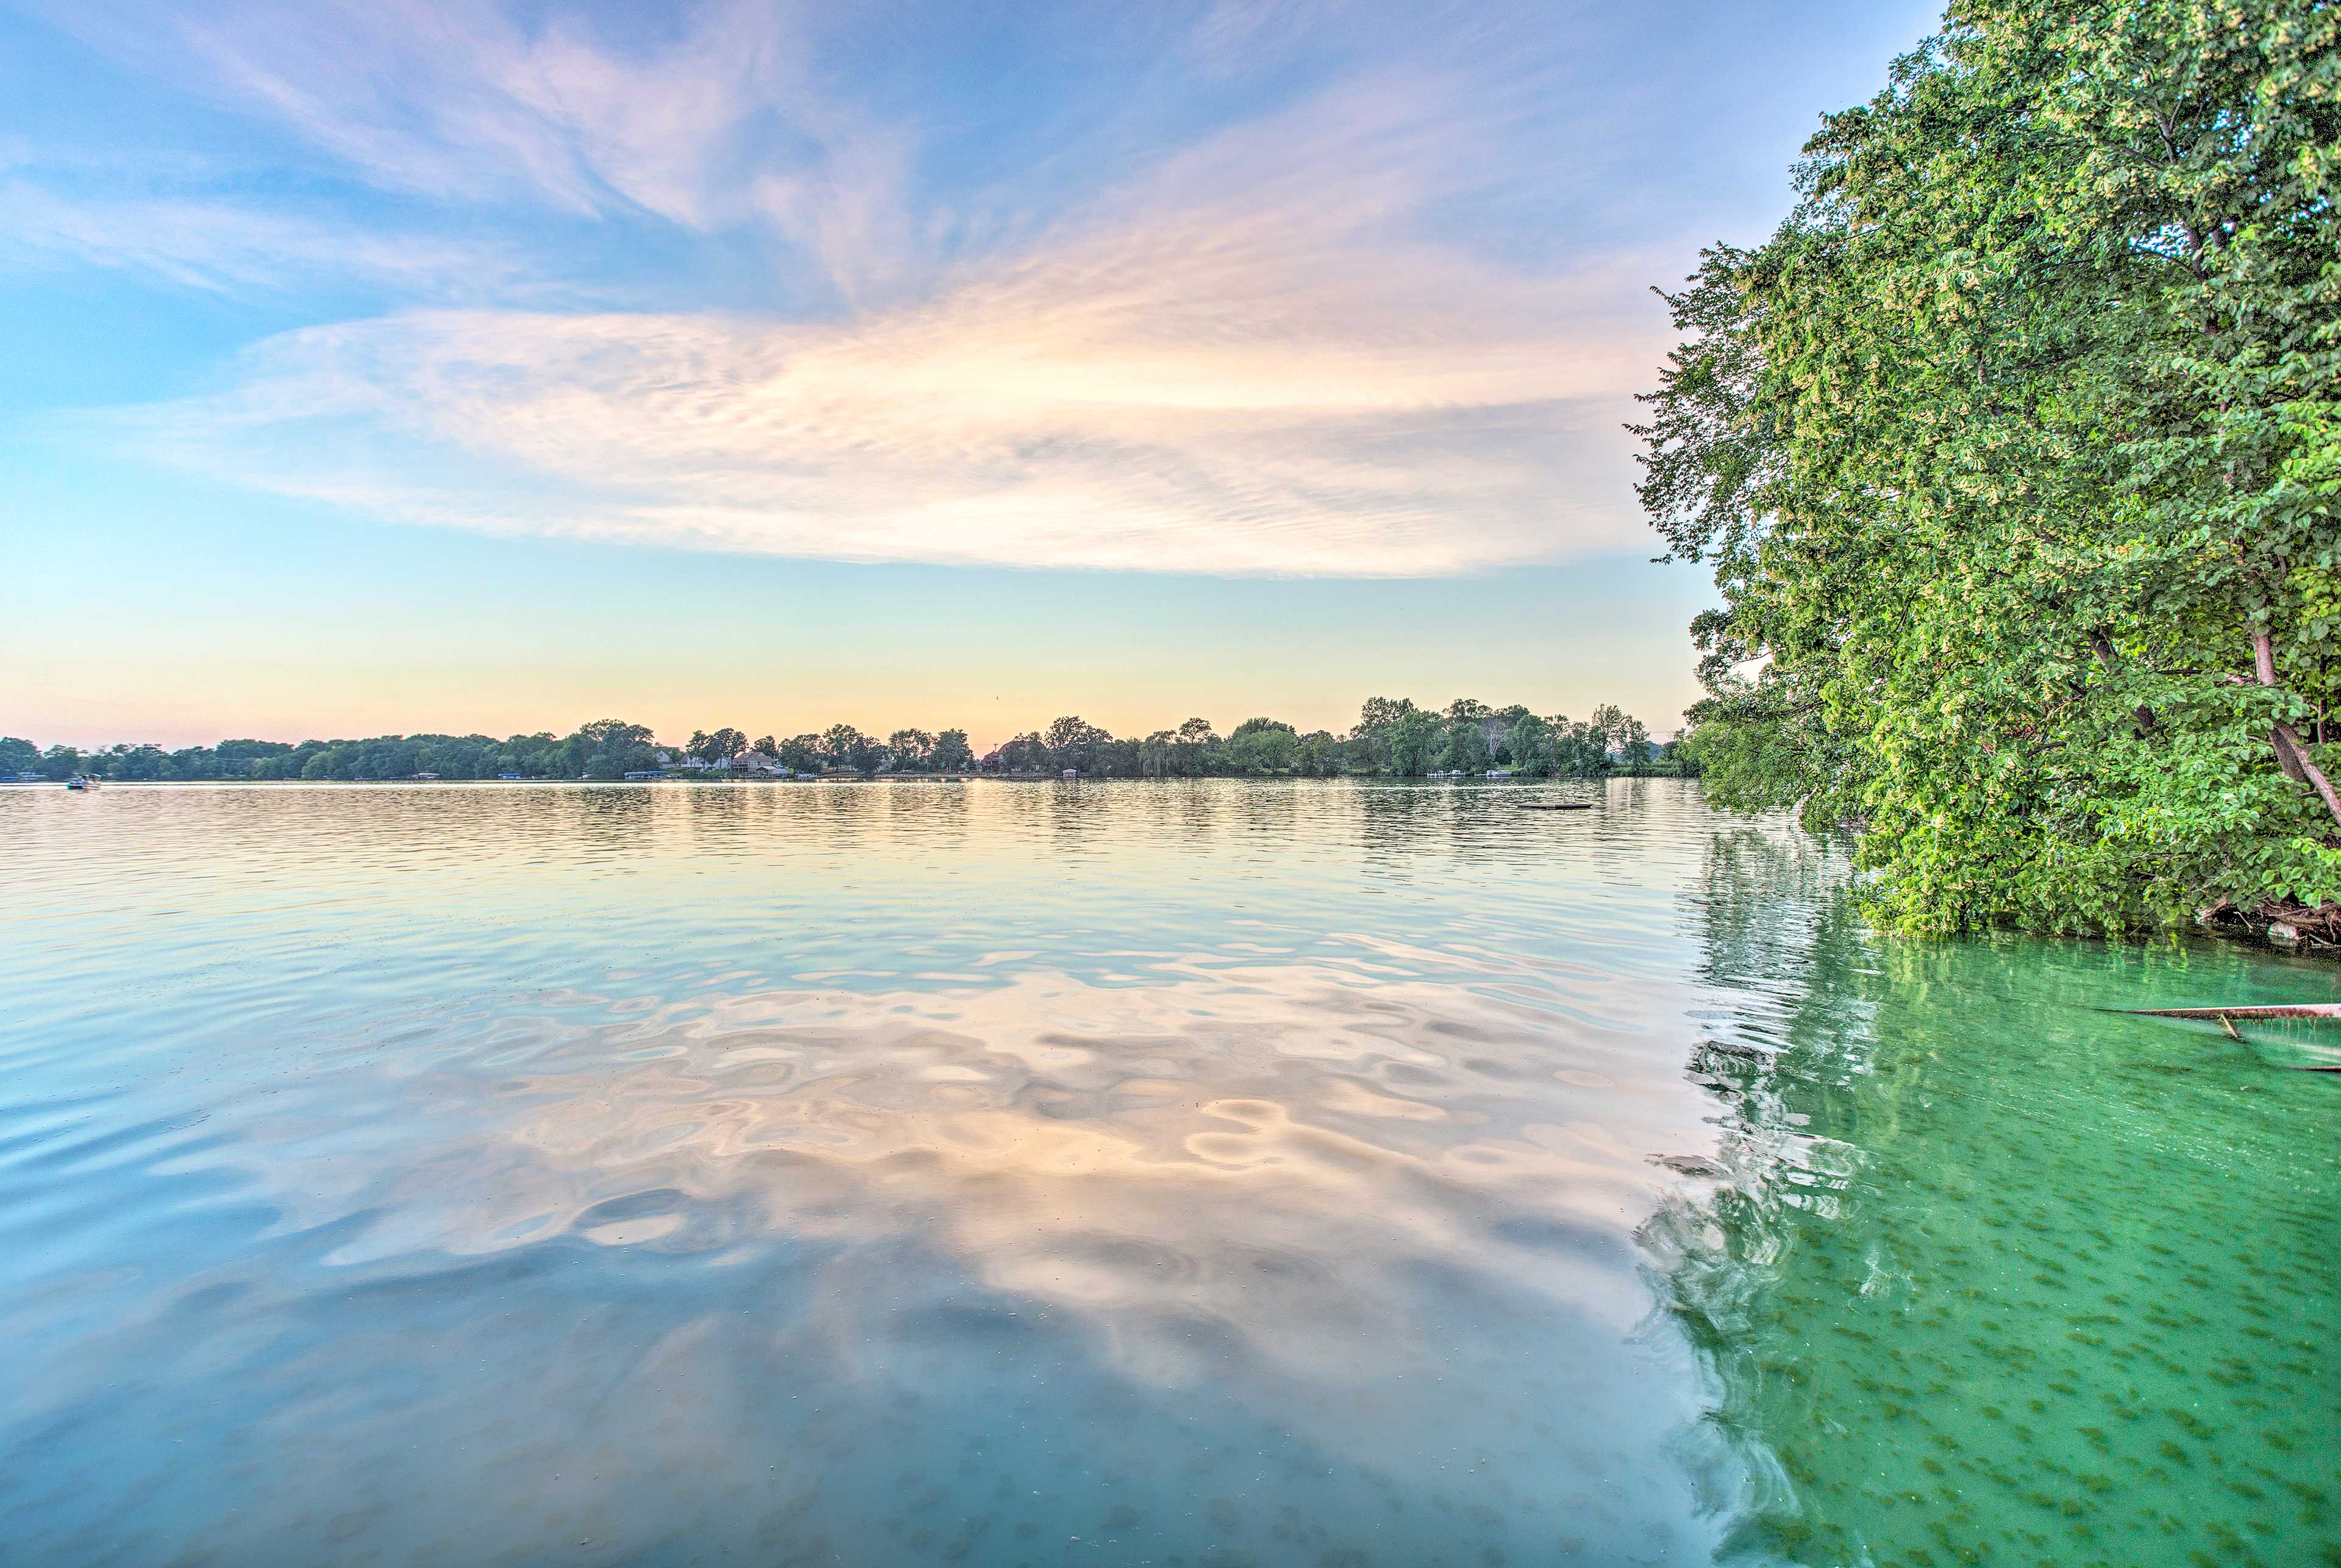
721,746
1529,744
1025,753
603,749
137,763
1578,749
951,752
1467,746
911,748
1263,746
2016,452
1160,756
1634,748
1370,746
1072,731
1073,743
1608,726
1414,744
1317,755
843,746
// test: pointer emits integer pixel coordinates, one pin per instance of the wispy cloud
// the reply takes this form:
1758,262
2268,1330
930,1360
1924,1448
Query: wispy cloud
1194,392
464,102
220,245
716,121
1264,351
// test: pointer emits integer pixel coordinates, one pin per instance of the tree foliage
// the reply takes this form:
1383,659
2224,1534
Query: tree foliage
1392,737
2013,452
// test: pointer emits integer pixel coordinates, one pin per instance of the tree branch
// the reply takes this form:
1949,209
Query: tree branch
2298,765
2288,756
2287,742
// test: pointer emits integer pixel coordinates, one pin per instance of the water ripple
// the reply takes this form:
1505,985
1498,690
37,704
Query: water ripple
1226,1173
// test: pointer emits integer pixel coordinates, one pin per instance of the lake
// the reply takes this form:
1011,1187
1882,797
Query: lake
1217,1173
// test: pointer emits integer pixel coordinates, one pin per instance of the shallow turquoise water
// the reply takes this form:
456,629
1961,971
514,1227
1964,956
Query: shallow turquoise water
1227,1173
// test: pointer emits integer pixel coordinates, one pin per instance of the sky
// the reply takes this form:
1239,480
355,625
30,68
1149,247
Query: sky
384,365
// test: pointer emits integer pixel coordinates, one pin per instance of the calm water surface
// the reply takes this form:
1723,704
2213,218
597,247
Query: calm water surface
1226,1174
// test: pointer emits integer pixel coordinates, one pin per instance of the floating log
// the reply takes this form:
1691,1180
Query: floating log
2225,1017
1557,805
2292,1010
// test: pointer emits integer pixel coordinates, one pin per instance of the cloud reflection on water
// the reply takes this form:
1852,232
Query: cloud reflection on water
1240,1177
1326,1215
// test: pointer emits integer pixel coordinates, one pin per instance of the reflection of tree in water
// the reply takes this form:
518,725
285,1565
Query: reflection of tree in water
1991,1276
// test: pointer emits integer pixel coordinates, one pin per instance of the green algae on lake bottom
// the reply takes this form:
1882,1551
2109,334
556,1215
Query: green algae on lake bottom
1997,1278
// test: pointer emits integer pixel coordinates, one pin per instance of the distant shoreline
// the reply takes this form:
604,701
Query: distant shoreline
1392,738
751,781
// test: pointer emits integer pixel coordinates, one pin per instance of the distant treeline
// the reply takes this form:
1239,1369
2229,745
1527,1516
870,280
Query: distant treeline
1392,737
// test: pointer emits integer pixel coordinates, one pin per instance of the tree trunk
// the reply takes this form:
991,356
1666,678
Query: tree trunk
2286,756
2298,765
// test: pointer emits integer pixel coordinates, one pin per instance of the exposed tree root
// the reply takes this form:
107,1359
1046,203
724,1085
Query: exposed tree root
2288,924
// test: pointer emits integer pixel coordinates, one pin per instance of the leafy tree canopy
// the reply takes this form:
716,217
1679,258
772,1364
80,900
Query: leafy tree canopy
2015,454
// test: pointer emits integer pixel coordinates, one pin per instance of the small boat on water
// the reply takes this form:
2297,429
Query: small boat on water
81,783
1557,805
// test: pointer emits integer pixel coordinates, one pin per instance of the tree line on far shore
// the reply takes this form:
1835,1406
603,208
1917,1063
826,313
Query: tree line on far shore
1393,737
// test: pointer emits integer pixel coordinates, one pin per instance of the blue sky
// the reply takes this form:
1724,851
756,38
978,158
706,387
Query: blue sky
392,365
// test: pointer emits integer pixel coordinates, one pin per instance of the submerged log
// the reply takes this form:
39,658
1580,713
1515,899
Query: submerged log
1692,1165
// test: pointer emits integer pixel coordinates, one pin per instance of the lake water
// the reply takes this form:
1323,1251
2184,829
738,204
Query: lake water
1227,1173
